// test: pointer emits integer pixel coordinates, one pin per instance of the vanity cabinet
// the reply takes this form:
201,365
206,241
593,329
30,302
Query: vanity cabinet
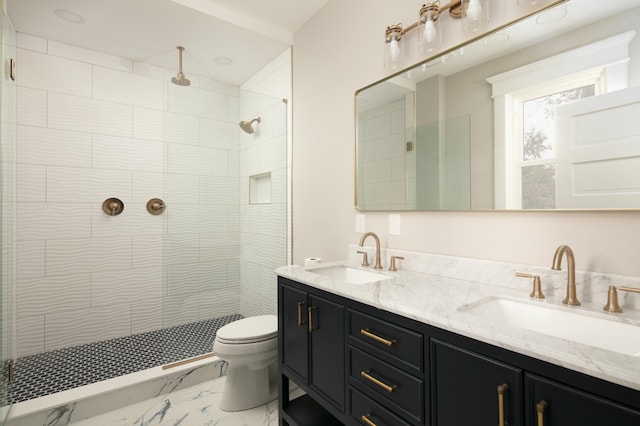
311,349
469,388
364,366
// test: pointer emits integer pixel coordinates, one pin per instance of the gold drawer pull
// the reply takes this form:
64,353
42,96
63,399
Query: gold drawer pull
540,407
367,419
372,379
366,332
300,320
310,312
501,390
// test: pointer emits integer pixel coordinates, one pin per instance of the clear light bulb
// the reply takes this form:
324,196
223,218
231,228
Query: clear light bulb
474,10
394,50
429,33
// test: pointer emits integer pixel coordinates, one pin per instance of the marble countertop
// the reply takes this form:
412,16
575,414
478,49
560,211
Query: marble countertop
434,299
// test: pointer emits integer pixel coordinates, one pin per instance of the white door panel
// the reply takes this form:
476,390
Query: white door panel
598,152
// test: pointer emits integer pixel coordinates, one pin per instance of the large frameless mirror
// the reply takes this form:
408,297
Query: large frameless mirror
541,114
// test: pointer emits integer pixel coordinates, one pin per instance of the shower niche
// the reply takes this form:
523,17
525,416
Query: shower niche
260,189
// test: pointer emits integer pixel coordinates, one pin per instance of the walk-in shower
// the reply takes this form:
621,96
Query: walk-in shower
104,295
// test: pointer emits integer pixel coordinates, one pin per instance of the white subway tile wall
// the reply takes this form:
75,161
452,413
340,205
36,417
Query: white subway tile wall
383,158
91,126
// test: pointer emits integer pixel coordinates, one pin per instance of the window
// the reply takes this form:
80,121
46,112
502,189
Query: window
534,139
524,133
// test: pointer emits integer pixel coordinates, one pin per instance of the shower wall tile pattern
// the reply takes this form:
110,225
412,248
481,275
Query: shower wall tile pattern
383,157
92,126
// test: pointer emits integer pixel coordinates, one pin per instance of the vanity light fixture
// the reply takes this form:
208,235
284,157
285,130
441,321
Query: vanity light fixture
473,13
394,54
429,27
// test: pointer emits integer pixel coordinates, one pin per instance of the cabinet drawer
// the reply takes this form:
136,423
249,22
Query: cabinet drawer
386,384
363,406
406,345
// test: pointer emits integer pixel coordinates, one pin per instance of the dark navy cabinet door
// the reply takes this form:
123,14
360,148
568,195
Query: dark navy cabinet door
564,405
326,331
465,388
293,311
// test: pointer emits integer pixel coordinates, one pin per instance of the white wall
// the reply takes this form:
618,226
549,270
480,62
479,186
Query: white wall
329,66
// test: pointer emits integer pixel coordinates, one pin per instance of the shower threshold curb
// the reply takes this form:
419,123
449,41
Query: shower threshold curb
96,398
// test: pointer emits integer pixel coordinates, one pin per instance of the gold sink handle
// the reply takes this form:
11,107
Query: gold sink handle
365,257
612,299
537,285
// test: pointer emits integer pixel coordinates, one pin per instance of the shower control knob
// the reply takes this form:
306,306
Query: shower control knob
156,206
112,206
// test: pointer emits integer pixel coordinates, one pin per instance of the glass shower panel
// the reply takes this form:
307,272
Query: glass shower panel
7,205
263,202
211,231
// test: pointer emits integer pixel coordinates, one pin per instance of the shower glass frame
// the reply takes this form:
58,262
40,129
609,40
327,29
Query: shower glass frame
219,251
7,214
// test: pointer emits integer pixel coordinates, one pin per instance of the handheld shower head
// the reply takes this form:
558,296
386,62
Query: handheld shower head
180,79
247,125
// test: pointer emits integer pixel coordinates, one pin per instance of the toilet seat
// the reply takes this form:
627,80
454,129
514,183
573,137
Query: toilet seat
249,330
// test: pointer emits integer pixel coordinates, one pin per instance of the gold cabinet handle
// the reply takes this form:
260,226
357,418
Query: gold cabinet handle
366,332
310,314
540,407
372,379
367,419
300,320
501,390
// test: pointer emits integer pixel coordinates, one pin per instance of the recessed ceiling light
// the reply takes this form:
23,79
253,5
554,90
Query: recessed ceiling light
223,60
552,16
69,16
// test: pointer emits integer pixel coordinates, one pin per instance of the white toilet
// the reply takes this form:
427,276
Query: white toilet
250,346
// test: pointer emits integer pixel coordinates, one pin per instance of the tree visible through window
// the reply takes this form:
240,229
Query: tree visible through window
538,146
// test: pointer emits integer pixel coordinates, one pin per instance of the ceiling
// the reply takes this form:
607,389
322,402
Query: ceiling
250,33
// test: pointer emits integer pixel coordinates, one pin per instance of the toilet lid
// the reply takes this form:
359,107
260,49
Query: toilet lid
247,330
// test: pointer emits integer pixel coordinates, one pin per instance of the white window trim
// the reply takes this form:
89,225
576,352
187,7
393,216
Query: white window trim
611,54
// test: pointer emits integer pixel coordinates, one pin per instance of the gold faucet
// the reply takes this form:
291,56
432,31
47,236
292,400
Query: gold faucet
571,299
375,237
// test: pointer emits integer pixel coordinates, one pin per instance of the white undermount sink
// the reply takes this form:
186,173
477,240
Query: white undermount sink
349,275
559,322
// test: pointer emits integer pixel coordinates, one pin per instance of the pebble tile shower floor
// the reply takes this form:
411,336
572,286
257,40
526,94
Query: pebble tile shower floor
55,371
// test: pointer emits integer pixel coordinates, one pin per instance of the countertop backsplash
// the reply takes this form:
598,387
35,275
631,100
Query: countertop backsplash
592,287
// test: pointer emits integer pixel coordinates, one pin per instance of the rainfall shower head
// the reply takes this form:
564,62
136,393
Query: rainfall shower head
180,79
247,126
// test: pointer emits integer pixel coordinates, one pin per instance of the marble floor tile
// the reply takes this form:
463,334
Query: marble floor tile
193,406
